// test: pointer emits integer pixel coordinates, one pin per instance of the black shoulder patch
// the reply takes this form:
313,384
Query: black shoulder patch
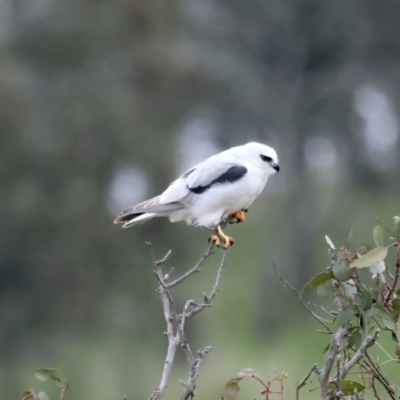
231,175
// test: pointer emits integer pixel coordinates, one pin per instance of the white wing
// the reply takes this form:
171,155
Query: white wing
216,169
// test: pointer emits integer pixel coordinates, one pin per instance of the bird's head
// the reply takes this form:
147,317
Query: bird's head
264,156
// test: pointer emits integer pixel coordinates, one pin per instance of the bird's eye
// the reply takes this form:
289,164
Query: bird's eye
265,158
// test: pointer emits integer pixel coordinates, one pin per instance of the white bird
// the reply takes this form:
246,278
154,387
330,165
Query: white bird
217,190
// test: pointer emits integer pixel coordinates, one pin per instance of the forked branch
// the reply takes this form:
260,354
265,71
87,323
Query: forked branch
175,323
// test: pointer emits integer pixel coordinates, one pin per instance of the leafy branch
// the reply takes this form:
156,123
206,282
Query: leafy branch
361,312
45,374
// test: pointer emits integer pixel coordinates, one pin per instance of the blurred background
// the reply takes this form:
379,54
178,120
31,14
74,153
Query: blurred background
103,103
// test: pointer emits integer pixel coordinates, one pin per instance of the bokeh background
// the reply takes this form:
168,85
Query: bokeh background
104,102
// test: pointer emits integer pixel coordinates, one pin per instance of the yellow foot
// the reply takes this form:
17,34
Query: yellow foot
238,216
220,236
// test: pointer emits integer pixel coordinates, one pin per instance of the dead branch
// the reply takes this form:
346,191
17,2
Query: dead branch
303,382
193,270
315,316
175,322
195,366
360,353
208,299
333,351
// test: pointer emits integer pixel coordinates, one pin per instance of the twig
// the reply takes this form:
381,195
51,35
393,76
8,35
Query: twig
360,353
381,378
390,358
371,368
193,270
190,384
63,390
322,309
375,391
319,319
167,305
208,299
303,382
333,351
311,390
396,277
175,323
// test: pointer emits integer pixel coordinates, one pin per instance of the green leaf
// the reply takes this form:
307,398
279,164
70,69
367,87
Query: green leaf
316,281
364,248
326,290
341,271
347,387
389,325
396,304
44,374
231,389
379,236
363,320
383,225
366,300
42,396
344,316
326,348
355,339
378,311
28,395
371,258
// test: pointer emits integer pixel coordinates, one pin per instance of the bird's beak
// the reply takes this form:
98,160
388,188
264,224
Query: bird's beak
276,167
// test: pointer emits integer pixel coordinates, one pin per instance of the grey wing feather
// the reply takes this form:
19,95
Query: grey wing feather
210,171
202,175
149,206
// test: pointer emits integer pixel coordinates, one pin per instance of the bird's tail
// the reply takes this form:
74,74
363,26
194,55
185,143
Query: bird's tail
146,210
137,219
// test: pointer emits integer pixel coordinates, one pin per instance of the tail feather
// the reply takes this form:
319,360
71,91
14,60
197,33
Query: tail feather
138,219
146,210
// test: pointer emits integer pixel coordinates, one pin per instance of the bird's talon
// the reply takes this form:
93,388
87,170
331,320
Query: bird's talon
236,217
214,239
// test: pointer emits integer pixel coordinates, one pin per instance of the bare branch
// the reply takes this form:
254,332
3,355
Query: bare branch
175,323
153,256
333,351
168,310
396,277
360,353
375,369
303,382
315,316
207,300
172,340
330,313
63,390
193,270
190,384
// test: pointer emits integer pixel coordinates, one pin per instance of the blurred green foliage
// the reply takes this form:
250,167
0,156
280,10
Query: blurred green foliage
103,102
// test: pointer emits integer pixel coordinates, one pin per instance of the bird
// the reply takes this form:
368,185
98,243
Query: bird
216,191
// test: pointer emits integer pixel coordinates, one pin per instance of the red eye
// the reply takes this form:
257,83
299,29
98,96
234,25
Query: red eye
265,158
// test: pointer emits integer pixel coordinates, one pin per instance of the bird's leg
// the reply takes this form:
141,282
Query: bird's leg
220,235
237,216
